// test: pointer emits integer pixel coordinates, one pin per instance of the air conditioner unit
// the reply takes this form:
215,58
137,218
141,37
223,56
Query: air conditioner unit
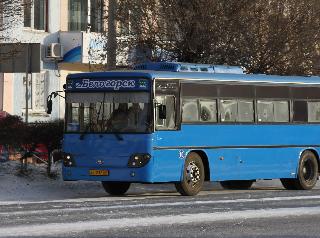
54,50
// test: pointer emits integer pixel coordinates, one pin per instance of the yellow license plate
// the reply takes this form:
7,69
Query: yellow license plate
95,172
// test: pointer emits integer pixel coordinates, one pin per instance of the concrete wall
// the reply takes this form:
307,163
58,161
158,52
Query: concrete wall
64,15
8,93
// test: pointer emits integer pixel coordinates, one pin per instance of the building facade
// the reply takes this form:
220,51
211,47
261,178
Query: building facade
73,38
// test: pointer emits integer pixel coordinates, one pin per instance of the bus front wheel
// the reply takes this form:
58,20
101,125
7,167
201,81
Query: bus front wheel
307,173
193,176
116,188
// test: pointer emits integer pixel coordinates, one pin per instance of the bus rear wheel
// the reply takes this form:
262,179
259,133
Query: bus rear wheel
236,184
307,173
193,176
116,188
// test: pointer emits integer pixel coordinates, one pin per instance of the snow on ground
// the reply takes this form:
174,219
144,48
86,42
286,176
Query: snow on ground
37,186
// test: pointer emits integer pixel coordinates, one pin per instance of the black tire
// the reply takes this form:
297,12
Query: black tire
288,184
116,188
307,173
236,184
193,176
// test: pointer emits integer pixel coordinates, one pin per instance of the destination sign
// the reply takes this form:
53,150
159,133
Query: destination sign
107,85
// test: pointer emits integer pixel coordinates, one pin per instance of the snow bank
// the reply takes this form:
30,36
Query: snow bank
36,186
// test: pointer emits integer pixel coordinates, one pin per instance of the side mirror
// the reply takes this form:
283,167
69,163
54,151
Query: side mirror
162,111
49,106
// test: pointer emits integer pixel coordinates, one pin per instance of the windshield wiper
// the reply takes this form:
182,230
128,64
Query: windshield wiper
111,130
98,114
118,136
86,130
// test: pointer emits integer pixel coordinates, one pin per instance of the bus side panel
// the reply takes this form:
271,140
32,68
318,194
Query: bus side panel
167,166
258,163
236,151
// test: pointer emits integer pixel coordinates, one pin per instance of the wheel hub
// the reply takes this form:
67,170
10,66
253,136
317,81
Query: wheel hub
193,173
307,171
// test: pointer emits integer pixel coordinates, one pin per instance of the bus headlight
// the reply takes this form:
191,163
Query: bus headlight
138,160
68,160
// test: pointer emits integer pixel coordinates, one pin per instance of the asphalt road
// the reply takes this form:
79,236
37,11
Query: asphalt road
266,210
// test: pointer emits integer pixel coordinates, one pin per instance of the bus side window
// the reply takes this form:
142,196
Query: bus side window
265,111
273,111
300,111
281,111
208,110
245,111
190,110
159,122
313,111
170,122
228,110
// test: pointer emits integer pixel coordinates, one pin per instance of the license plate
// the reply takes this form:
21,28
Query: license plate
95,172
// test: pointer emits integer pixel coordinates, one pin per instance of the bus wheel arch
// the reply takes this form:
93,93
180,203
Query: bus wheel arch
205,162
307,172
193,175
316,155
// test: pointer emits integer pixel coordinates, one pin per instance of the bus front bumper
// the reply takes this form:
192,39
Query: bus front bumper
139,175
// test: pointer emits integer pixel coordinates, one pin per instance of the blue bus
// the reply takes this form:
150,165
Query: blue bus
186,124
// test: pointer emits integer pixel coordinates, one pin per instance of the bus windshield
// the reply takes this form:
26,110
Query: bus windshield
108,112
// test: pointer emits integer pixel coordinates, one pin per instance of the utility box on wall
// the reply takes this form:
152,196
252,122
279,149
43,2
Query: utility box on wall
54,51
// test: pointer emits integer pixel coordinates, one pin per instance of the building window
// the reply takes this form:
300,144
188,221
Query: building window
35,14
1,15
27,13
124,23
40,14
78,15
96,15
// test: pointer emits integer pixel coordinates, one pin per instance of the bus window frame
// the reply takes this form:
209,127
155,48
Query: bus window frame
176,93
165,128
273,100
301,91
